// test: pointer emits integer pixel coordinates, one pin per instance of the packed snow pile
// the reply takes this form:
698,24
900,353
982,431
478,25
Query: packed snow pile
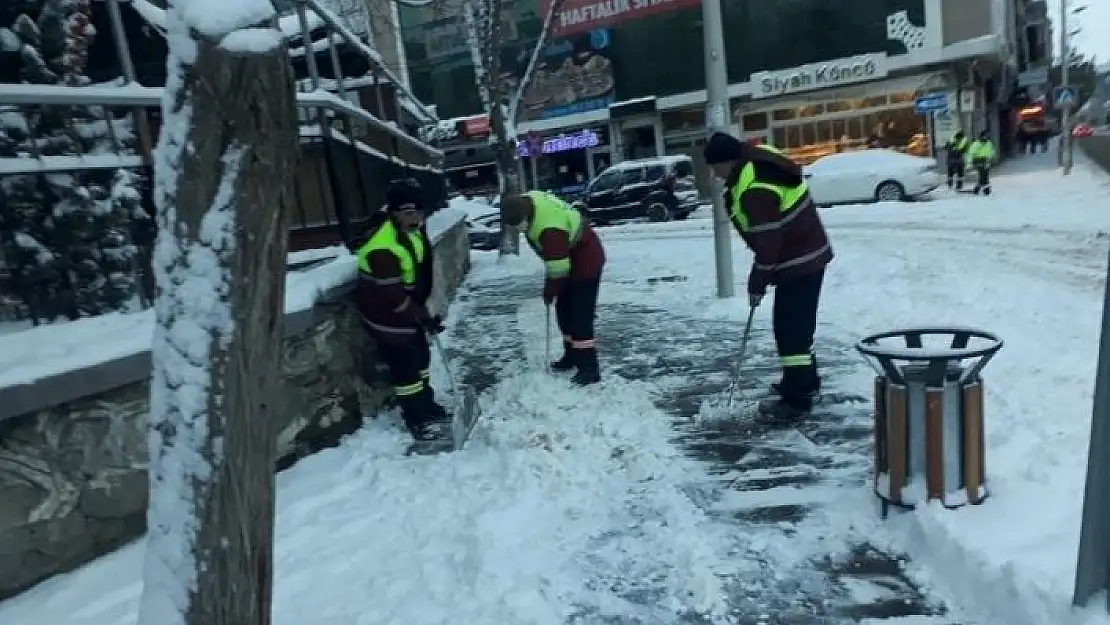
565,505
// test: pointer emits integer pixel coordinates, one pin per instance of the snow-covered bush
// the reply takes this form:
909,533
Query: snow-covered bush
69,239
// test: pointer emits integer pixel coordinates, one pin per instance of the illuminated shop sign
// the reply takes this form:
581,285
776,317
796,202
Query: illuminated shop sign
577,141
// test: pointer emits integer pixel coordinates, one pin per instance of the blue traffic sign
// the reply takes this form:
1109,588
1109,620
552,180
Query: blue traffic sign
931,102
1065,96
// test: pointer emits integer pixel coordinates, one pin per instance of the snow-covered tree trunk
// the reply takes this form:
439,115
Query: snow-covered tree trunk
500,99
225,159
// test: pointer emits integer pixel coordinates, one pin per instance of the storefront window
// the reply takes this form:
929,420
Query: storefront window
813,110
838,106
754,122
780,115
685,120
898,98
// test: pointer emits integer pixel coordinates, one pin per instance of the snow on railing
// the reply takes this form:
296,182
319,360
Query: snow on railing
103,98
301,27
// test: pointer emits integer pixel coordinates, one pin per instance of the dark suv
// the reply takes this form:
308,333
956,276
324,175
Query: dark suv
660,189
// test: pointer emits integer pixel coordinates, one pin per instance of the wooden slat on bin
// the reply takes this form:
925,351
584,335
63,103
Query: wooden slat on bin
897,440
974,471
934,443
881,464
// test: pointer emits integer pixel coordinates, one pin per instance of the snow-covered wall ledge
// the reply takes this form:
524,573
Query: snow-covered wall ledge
74,403
1097,148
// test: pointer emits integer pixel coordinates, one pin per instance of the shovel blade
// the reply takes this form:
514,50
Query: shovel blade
463,419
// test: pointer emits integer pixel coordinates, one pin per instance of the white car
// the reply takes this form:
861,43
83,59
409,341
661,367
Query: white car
875,175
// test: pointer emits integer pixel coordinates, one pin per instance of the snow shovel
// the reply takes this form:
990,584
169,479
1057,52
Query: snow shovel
465,413
740,359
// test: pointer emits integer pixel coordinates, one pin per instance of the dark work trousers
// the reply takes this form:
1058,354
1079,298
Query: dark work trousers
983,170
956,174
407,357
794,320
575,309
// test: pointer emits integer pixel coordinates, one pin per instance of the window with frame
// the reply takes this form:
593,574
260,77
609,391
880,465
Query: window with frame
655,173
606,182
634,175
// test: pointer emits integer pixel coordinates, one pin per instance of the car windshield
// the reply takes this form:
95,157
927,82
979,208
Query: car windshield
684,169
655,173
606,182
632,176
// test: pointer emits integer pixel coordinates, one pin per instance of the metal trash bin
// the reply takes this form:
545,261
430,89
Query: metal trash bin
929,427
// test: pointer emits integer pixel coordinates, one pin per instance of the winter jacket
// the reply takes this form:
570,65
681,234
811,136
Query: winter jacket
955,150
395,273
564,240
770,206
981,152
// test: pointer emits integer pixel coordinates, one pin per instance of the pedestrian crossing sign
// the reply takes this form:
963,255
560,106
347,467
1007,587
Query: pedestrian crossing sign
1065,97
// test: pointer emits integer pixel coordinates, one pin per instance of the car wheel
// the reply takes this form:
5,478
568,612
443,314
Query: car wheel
657,211
890,191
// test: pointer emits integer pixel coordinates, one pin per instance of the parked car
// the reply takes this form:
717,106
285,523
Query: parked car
1082,130
875,175
635,189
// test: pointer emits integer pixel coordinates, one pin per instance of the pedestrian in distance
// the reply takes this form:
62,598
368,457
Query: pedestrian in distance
769,204
980,155
573,259
395,281
955,151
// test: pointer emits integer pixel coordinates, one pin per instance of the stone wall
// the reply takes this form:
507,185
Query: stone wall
1097,148
73,474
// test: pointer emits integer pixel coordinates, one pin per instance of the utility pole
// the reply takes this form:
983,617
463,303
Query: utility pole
716,120
1065,111
1092,570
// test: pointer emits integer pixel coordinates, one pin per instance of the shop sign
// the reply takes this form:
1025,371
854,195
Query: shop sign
563,143
476,126
576,16
819,75
573,75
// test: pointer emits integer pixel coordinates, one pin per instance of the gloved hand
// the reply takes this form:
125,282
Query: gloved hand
433,325
757,286
551,290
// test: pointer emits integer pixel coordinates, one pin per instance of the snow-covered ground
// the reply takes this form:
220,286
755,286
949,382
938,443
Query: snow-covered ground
566,499
1028,263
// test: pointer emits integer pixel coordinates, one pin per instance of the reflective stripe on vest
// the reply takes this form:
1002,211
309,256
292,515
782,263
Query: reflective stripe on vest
388,238
551,212
789,197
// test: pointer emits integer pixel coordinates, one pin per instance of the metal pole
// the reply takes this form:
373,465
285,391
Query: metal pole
1065,63
716,120
1092,571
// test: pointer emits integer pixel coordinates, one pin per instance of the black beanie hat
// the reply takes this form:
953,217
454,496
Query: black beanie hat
403,195
723,148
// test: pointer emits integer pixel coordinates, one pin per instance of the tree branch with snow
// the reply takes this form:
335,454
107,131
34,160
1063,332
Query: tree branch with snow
224,162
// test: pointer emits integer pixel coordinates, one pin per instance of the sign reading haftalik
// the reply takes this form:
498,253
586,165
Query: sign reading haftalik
576,16
822,75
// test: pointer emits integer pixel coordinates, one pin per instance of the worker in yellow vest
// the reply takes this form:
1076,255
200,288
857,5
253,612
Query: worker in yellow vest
769,204
395,282
955,152
573,259
980,155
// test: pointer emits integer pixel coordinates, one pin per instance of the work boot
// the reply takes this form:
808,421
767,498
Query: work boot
588,370
433,409
779,410
567,362
419,423
806,379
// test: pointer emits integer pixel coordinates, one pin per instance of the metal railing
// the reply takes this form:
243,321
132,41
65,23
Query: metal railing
93,133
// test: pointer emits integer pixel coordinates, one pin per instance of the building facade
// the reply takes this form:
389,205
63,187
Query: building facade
808,76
